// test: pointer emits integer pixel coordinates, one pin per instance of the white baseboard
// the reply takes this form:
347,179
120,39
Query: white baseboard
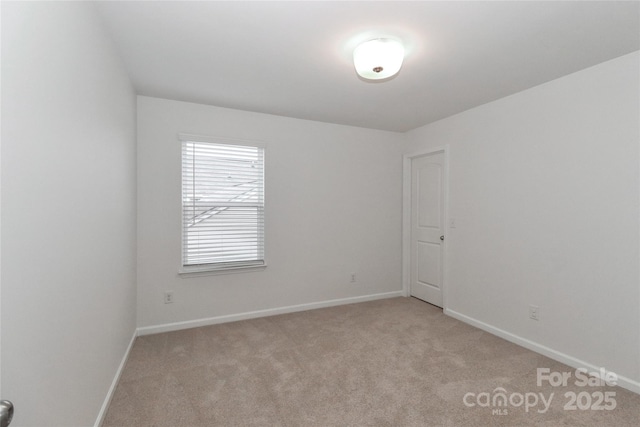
623,382
114,383
167,327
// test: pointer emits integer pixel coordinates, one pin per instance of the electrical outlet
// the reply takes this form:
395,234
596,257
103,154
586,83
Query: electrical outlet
353,277
168,297
534,312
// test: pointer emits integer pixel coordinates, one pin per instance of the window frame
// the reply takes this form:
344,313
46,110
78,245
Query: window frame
221,267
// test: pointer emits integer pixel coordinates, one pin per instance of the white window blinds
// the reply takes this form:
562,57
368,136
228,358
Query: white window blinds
222,204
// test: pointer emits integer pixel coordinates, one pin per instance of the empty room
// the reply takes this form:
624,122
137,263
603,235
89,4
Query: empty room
319,213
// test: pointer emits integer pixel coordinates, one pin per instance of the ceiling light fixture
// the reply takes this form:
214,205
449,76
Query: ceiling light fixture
378,58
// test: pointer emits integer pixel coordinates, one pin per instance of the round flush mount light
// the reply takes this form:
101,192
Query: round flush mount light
378,58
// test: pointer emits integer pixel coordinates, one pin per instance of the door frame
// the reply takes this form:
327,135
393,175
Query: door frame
406,219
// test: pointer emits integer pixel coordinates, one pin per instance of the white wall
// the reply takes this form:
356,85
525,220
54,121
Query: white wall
68,212
333,206
544,190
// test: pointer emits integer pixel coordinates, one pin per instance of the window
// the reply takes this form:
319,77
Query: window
222,204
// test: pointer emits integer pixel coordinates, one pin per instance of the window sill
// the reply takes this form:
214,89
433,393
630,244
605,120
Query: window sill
186,272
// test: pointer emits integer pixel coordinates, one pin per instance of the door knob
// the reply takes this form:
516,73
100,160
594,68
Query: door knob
6,413
441,237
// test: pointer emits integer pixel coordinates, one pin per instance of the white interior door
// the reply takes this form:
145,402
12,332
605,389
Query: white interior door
427,227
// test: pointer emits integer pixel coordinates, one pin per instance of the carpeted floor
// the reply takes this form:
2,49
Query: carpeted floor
396,362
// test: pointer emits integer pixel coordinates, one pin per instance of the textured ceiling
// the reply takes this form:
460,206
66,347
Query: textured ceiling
294,58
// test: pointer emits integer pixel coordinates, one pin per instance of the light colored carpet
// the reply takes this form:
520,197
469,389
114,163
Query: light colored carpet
395,362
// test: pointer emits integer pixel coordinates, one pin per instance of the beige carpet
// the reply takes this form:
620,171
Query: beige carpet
395,362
